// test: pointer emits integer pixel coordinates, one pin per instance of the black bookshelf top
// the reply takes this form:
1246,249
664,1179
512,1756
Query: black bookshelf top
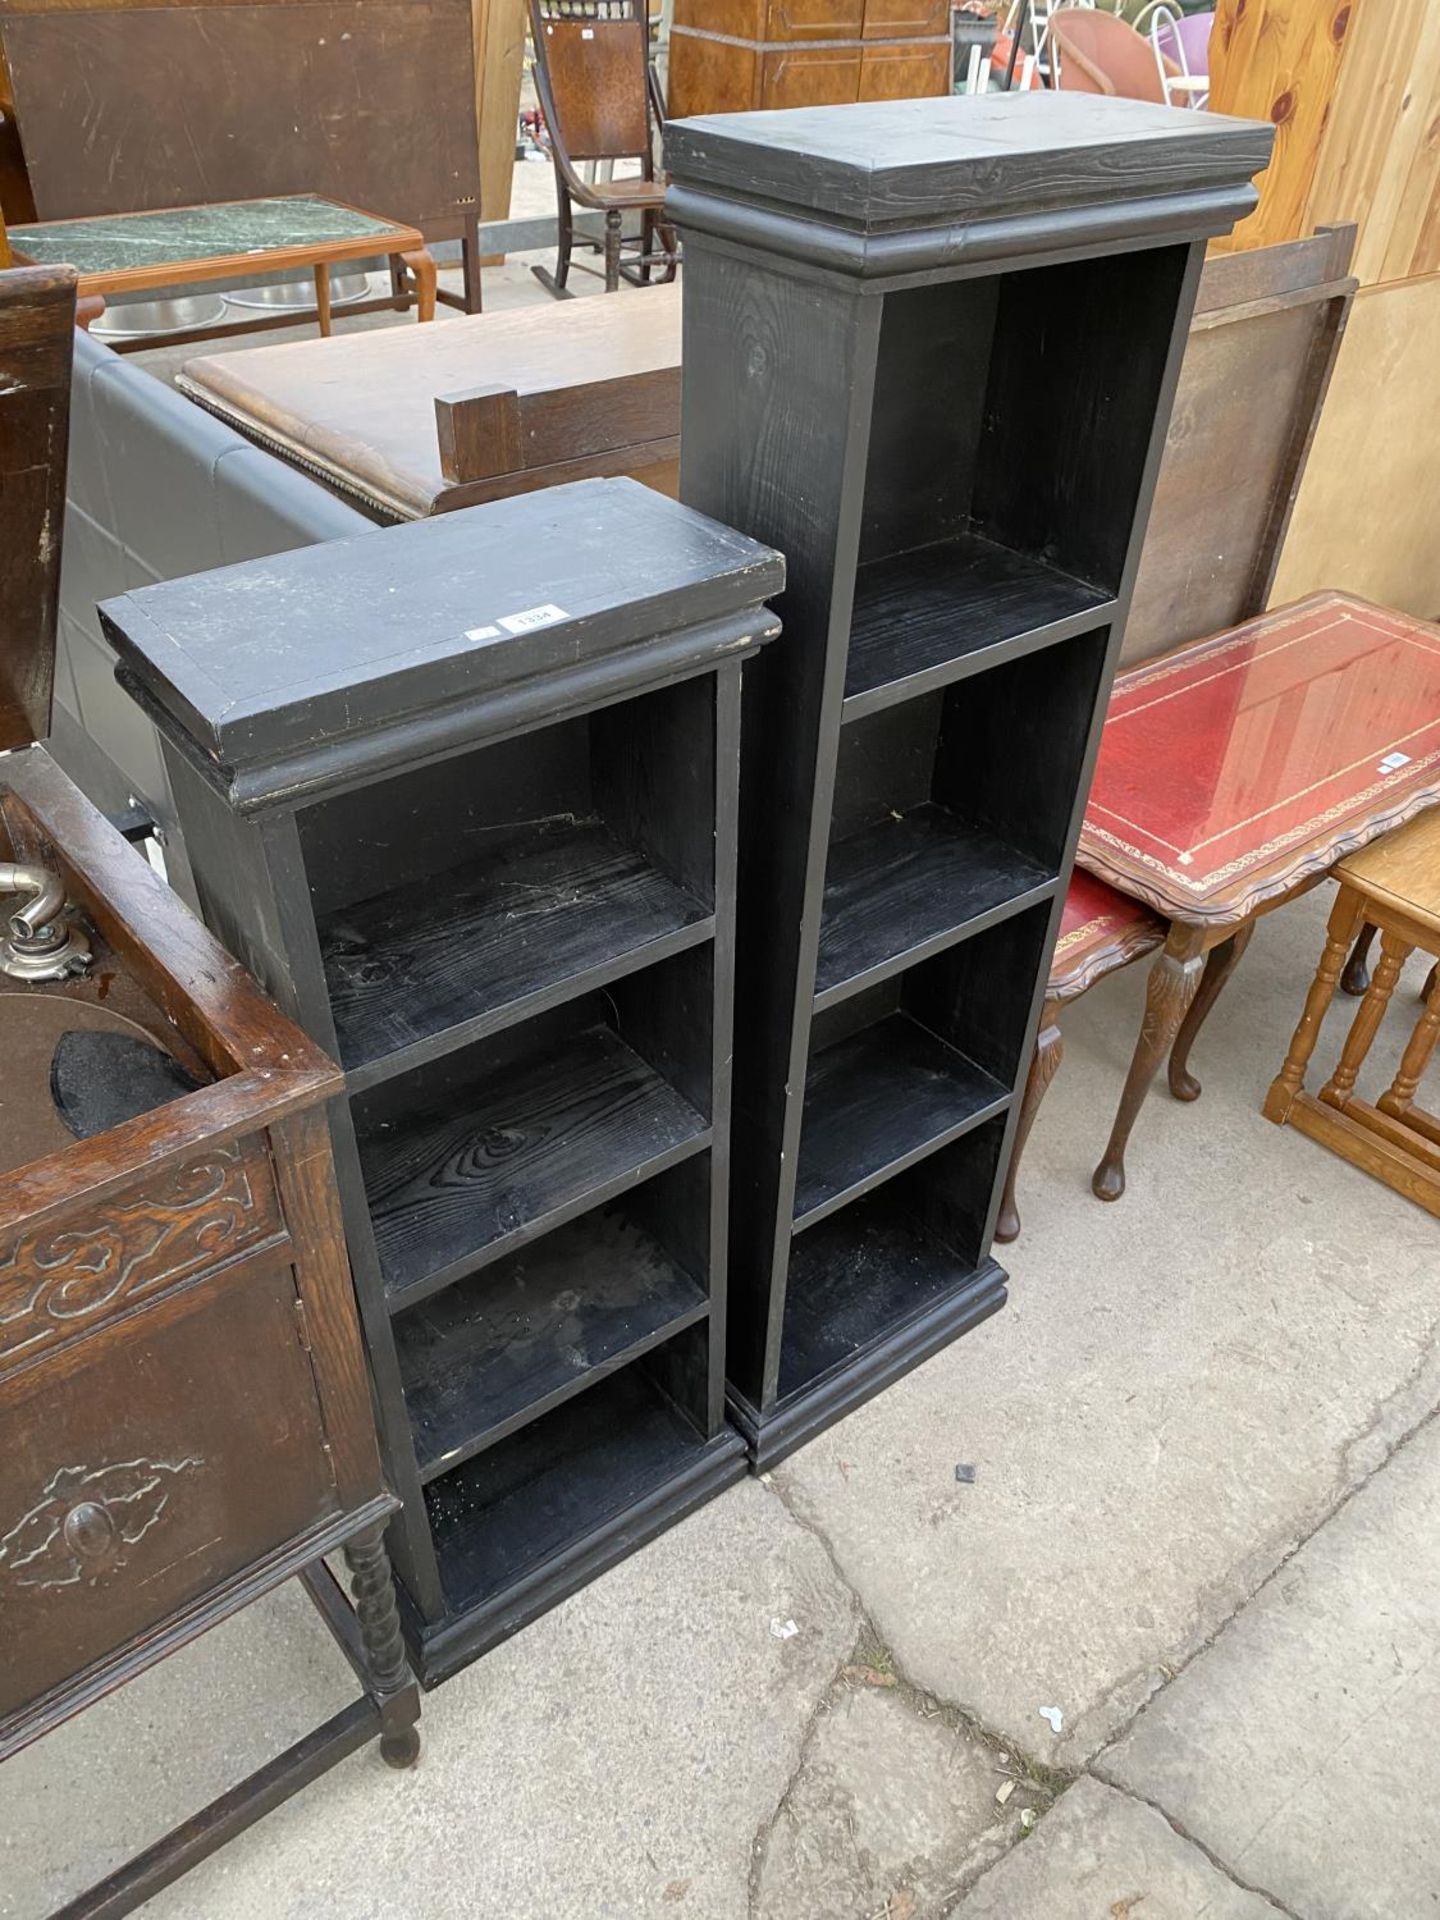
893,166
410,639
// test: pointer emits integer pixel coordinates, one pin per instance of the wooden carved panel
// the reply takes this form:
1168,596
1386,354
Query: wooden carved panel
87,1522
57,1282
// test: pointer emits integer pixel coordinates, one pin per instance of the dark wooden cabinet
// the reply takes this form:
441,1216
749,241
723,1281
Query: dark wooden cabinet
930,353
183,1395
463,793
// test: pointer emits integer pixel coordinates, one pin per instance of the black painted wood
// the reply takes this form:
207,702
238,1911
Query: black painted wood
906,365
549,1486
559,912
925,618
876,1102
498,874
487,1161
482,1358
898,892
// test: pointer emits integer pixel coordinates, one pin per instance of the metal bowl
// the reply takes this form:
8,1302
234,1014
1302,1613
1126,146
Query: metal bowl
149,319
298,296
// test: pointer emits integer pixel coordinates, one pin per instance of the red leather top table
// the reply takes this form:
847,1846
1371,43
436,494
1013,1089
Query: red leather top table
1234,773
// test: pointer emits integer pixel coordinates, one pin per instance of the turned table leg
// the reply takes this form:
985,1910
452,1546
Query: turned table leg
1340,931
1220,963
421,264
1049,1051
373,1589
1356,977
1400,1096
1394,952
1174,980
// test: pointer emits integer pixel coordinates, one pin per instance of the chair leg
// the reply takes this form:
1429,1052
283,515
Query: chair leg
612,250
557,282
1049,1052
1356,977
647,245
1174,979
1220,963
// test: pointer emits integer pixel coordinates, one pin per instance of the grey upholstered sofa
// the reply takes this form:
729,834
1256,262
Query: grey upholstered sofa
157,489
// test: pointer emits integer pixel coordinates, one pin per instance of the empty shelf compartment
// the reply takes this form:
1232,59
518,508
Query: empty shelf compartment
481,1151
557,1484
559,911
924,617
900,890
481,1358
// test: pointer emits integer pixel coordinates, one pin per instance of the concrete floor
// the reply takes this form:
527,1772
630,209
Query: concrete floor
1183,1620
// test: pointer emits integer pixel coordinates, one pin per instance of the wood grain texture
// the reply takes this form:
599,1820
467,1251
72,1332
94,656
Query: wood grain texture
1370,468
1280,60
492,935
1379,159
481,1359
591,379
898,892
876,1102
37,332
455,1185
499,39
373,103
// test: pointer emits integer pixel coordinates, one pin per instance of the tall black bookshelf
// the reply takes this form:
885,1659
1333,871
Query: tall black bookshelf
464,795
930,351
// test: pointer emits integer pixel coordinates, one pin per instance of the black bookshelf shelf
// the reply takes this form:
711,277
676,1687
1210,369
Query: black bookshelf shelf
545,1493
923,619
857,1278
479,1165
902,368
429,966
905,889
877,1102
481,838
484,1357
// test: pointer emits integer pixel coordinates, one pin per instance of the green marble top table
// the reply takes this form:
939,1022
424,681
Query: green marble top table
130,252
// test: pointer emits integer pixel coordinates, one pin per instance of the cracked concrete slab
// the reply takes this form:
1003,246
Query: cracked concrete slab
615,1760
893,1806
1303,1747
1126,1411
1099,1855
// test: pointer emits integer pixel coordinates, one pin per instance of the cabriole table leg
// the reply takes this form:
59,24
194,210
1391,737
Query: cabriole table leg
1174,981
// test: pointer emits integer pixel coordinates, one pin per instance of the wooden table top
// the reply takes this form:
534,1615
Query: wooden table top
595,377
123,252
1232,769
1401,871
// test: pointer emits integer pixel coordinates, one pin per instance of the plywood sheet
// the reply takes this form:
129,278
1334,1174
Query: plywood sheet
1369,505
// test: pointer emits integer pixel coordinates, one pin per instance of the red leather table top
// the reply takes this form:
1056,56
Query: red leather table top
1232,769
1100,930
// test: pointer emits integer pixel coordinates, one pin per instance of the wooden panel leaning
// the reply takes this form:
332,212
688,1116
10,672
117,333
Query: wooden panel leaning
900,369
182,1386
481,844
1393,886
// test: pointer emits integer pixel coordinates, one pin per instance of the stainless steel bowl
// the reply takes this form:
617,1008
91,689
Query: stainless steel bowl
149,319
298,296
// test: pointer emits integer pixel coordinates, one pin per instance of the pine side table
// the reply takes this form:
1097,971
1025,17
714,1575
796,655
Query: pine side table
1393,887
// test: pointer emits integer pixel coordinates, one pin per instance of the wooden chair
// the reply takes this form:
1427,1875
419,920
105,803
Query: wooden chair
1100,53
601,103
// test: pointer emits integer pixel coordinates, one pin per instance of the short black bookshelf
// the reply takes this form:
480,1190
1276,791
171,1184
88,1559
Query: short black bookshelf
930,351
465,795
